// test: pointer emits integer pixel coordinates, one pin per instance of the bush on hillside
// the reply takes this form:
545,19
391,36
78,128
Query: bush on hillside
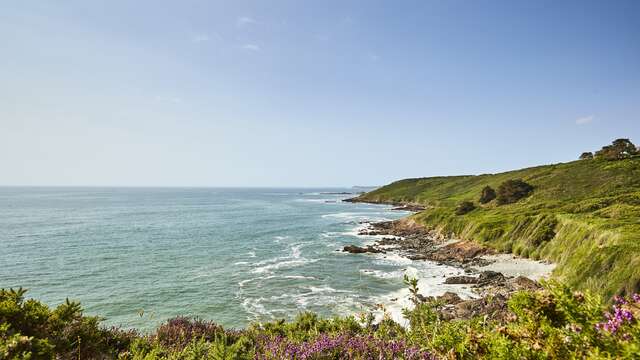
465,207
586,155
487,194
511,191
180,331
618,150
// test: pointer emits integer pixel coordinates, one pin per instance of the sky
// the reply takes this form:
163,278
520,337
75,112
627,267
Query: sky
308,93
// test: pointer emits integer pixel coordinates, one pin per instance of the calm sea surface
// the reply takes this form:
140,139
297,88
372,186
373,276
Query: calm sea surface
138,256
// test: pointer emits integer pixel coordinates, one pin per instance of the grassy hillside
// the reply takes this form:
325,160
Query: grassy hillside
583,215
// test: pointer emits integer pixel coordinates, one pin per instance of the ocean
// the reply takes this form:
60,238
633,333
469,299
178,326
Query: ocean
138,256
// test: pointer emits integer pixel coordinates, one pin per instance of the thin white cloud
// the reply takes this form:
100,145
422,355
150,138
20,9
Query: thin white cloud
251,47
585,120
245,20
198,38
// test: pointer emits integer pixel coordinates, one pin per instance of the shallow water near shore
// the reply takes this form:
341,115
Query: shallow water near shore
138,256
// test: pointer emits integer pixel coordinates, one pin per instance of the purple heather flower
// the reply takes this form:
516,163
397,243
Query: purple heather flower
636,298
615,320
620,300
365,347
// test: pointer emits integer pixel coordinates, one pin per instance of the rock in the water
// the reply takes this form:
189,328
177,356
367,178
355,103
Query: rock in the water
461,280
353,249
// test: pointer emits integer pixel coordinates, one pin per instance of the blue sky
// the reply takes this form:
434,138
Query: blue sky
301,93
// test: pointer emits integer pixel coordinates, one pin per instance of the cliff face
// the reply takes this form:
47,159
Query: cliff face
583,215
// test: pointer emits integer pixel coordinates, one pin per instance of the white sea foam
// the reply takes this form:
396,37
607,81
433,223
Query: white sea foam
431,278
283,264
344,215
356,230
242,283
325,200
300,277
392,259
342,301
396,274
322,289
295,251
330,234
357,216
294,259
254,306
279,238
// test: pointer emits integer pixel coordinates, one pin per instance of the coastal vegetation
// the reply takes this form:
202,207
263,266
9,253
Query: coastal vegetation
551,323
512,191
582,215
465,207
487,194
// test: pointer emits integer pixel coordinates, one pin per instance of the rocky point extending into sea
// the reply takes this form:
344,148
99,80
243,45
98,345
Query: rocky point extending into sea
493,288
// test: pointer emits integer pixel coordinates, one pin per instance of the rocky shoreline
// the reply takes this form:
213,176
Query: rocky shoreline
409,239
413,241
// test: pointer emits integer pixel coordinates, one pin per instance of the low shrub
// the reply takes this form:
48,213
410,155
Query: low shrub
465,207
487,194
511,191
180,331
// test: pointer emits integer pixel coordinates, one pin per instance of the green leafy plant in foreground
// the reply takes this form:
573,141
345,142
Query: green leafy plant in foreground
553,323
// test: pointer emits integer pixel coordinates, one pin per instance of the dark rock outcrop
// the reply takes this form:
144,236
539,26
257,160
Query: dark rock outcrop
450,298
410,207
461,280
353,249
491,278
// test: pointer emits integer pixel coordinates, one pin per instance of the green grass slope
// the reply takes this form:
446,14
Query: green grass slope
583,215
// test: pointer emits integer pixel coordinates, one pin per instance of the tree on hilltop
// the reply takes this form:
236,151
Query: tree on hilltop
586,155
618,150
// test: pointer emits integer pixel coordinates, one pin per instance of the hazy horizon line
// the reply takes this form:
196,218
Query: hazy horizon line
188,186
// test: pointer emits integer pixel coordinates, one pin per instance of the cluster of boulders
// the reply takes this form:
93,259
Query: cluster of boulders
417,243
494,290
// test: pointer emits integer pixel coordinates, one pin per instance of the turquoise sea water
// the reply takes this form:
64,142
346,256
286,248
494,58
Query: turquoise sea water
138,256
